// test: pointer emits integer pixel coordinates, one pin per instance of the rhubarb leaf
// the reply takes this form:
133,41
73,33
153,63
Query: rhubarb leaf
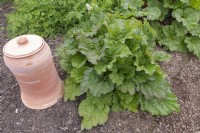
117,78
193,44
78,60
96,84
71,90
129,102
152,13
159,4
77,74
161,56
173,37
189,17
127,87
160,106
94,111
155,88
100,67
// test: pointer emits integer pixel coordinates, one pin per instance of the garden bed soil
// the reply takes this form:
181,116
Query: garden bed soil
183,73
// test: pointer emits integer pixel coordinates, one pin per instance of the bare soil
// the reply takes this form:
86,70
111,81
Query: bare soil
183,72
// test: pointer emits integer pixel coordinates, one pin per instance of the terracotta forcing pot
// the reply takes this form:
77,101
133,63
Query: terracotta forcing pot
30,60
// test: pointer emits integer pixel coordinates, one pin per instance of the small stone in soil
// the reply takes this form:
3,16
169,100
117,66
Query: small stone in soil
16,111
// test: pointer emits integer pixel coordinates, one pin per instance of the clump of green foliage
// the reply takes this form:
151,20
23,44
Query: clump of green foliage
183,33
111,57
48,18
109,50
6,1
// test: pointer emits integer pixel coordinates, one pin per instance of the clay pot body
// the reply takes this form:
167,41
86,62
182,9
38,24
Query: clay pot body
36,74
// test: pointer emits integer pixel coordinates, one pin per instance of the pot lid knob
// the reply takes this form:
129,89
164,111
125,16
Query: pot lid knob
22,40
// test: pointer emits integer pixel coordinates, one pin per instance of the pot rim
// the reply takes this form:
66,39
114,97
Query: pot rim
26,55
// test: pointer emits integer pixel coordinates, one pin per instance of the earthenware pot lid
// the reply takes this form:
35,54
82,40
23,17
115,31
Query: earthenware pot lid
23,46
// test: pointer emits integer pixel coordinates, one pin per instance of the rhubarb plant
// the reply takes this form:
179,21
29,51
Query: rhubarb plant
111,58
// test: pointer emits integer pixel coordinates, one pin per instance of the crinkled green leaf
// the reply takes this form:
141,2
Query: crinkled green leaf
127,68
100,67
159,4
196,32
193,44
149,29
173,37
116,106
174,45
173,4
188,16
144,62
179,30
130,74
158,28
185,1
115,29
117,78
95,25
69,47
161,56
102,87
132,4
78,60
141,77
94,111
121,29
178,14
97,15
129,102
71,90
150,33
95,83
154,88
149,69
91,48
65,65
77,74
195,4
161,106
65,52
89,80
120,50
127,87
152,13
112,66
